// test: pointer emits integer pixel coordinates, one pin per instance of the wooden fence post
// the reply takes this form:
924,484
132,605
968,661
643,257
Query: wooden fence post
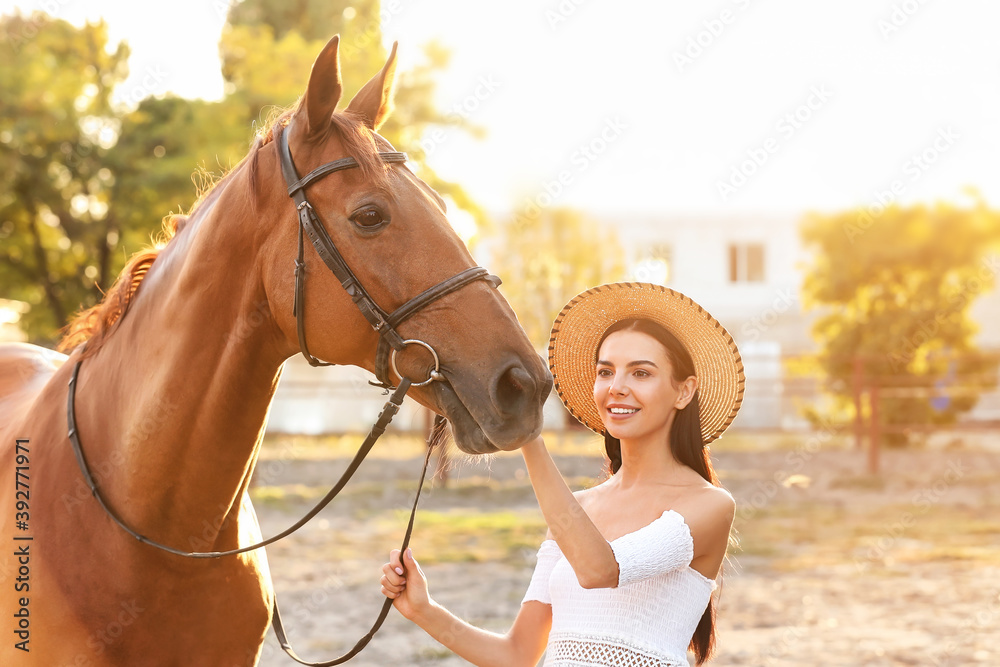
858,389
874,430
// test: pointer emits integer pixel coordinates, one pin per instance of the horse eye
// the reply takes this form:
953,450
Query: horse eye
368,217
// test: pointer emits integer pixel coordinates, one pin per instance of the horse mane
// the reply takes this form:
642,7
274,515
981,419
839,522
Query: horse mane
95,324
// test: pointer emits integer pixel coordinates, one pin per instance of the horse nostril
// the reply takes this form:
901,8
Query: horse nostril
513,390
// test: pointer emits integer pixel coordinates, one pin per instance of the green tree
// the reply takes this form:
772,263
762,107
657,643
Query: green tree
548,258
268,46
57,226
89,183
896,289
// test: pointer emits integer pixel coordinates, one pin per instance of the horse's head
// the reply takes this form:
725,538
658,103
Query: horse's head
393,233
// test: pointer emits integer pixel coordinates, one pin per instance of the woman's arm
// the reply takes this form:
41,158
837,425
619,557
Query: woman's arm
581,542
523,644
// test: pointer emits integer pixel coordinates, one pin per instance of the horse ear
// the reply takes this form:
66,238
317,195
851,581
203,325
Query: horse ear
373,103
324,89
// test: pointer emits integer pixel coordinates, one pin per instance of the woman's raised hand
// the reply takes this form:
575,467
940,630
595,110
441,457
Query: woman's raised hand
404,583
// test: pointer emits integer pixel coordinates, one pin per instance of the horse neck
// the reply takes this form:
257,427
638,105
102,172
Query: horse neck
181,390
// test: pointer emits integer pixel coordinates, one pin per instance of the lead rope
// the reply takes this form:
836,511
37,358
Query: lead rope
388,412
279,630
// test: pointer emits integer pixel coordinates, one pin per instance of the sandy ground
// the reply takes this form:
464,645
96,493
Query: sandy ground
834,566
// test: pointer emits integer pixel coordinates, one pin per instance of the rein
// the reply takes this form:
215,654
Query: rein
390,342
388,412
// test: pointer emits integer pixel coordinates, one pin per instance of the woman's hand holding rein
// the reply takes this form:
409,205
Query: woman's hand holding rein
523,644
405,585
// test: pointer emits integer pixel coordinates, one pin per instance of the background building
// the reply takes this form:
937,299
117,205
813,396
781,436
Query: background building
745,269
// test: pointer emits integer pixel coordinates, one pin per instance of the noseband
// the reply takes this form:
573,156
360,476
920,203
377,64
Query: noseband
383,323
390,342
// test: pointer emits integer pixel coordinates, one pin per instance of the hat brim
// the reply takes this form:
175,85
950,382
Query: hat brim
579,327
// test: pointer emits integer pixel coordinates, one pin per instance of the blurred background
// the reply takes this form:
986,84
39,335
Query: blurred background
821,178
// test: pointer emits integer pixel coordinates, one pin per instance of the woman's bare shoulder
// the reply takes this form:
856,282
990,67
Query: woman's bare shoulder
711,500
709,513
594,491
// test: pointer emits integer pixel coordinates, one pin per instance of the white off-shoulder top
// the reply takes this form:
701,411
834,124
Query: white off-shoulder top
647,621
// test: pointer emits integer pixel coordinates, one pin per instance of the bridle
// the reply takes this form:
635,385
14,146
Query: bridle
390,342
384,324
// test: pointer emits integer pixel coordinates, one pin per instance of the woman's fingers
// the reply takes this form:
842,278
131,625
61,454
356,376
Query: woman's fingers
390,578
395,562
391,590
394,578
393,581
393,572
412,564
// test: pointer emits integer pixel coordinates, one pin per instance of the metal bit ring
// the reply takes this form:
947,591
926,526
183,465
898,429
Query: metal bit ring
434,375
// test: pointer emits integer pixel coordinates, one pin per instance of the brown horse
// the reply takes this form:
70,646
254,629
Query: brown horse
182,359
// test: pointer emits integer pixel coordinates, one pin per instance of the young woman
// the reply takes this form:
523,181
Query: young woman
627,570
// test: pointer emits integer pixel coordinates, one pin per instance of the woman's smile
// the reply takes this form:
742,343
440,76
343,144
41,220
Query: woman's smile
633,389
621,411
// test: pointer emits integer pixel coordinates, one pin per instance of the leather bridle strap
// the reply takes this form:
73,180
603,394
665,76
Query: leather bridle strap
388,412
310,225
384,324
390,409
279,629
418,302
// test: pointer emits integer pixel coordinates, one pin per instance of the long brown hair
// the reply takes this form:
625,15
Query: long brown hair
685,444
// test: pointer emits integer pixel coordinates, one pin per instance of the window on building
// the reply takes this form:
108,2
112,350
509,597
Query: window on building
746,262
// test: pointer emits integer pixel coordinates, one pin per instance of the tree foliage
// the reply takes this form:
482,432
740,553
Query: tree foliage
897,289
58,226
550,257
88,183
268,46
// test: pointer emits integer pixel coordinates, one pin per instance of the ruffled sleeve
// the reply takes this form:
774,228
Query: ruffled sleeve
548,555
659,547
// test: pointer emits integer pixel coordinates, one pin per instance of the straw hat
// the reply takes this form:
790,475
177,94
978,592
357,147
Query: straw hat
580,325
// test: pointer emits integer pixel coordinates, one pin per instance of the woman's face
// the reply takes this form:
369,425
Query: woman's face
633,388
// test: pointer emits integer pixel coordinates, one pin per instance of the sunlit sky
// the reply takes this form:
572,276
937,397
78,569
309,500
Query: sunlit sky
629,106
